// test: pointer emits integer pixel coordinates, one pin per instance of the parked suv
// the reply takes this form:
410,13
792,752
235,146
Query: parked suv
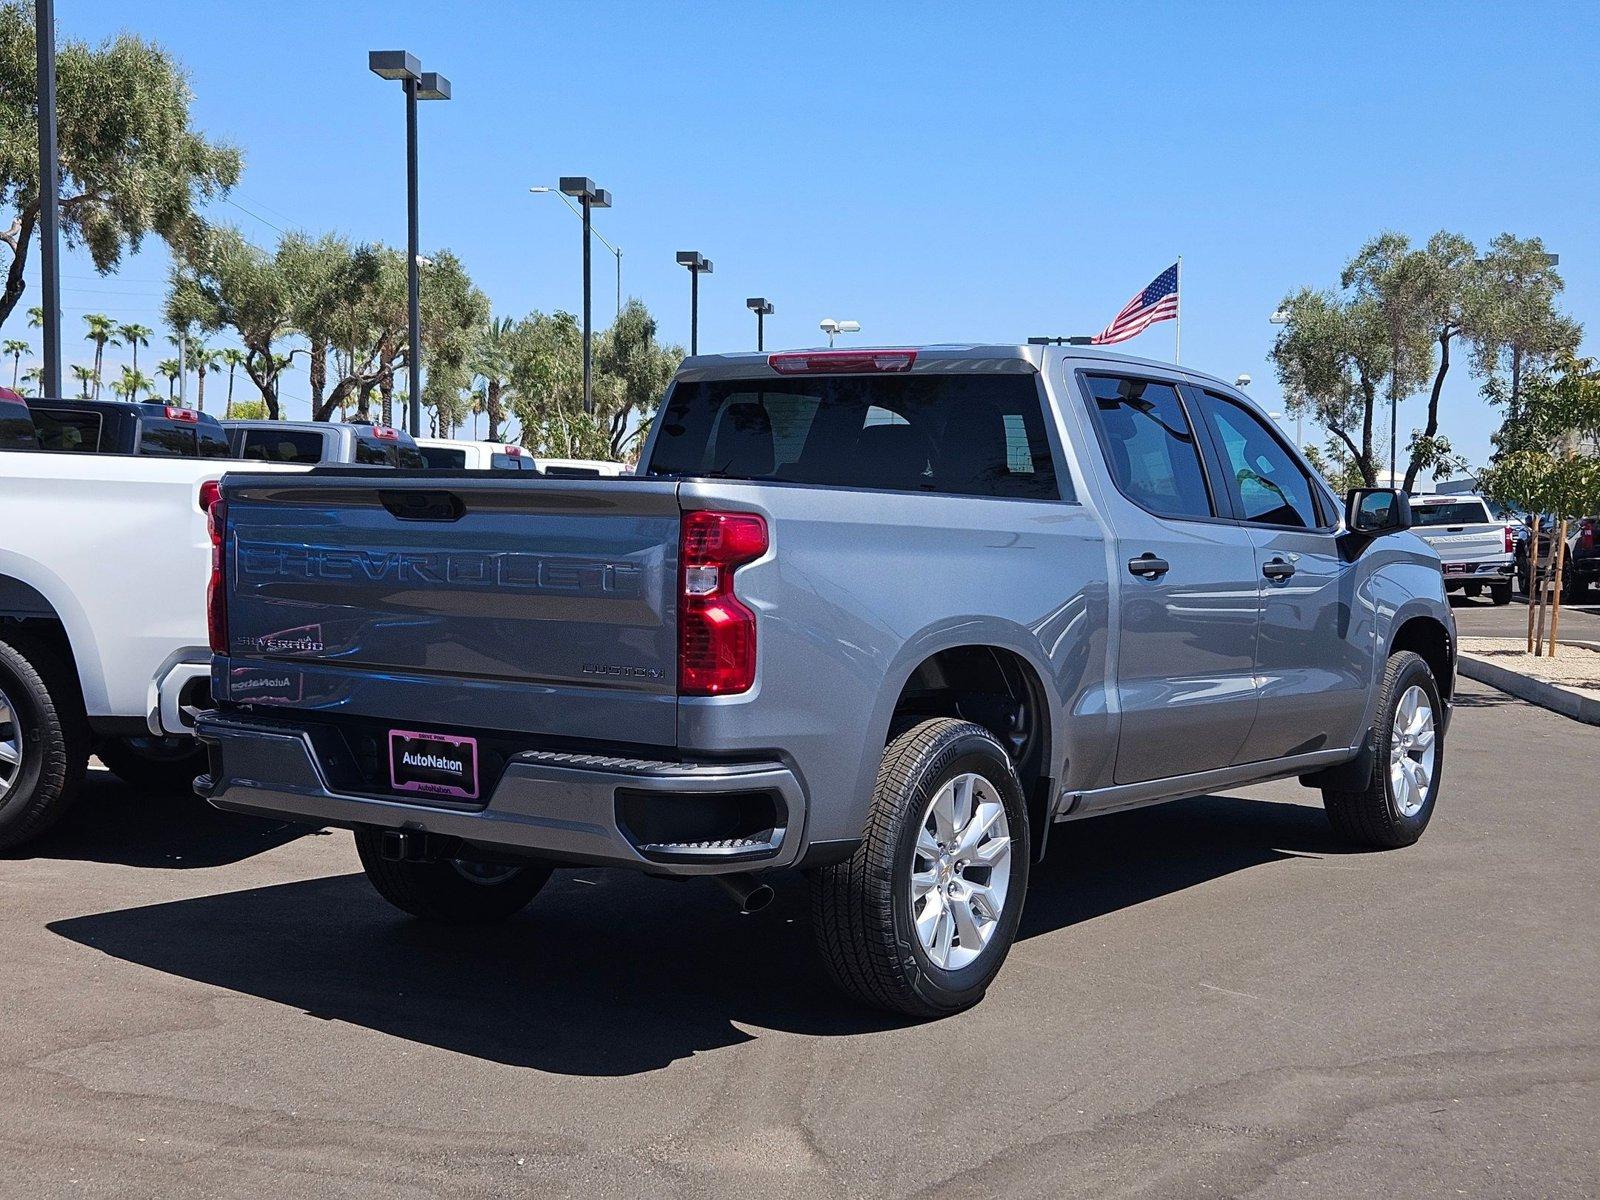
888,616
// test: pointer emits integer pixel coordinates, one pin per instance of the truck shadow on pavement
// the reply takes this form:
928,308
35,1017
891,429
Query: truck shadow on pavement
116,824
610,973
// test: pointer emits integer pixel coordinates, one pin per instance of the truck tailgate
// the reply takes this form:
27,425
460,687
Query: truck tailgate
460,602
1466,543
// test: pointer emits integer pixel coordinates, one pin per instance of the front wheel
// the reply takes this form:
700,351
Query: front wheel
454,891
1500,594
1407,749
154,764
920,918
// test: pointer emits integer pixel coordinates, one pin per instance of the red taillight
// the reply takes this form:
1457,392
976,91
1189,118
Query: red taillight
1586,533
182,414
385,434
216,587
1510,540
716,633
841,362
514,451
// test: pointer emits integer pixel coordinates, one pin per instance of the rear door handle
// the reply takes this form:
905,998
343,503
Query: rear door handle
1148,566
1277,569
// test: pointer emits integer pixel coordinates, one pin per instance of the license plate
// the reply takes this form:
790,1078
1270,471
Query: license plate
434,763
1457,568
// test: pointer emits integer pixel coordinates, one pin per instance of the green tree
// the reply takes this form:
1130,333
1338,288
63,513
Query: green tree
131,165
85,377
133,382
233,359
634,370
134,335
102,332
202,361
1516,329
16,348
169,369
250,410
33,376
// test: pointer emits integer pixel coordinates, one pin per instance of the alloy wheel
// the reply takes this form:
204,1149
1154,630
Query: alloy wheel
10,746
1413,751
960,871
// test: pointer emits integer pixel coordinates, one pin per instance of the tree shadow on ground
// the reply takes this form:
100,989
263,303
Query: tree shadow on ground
612,973
114,823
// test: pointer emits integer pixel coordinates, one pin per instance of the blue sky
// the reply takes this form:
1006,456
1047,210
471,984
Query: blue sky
939,173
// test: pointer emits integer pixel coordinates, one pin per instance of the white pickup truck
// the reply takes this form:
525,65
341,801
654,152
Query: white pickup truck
1476,552
103,568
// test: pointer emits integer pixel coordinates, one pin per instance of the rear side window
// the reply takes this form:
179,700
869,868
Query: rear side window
62,429
409,457
211,440
283,445
971,435
1150,446
1267,485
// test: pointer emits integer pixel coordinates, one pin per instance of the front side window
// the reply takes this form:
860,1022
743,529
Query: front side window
969,435
66,429
1268,486
1150,446
444,458
283,445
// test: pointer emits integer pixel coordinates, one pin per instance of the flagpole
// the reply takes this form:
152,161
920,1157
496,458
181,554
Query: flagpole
1177,321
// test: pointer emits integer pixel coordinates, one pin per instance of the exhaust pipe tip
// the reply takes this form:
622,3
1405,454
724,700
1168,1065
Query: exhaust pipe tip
748,891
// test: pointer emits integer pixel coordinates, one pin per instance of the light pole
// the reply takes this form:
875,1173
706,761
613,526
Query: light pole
833,328
419,85
583,190
697,264
762,307
600,237
49,186
1280,316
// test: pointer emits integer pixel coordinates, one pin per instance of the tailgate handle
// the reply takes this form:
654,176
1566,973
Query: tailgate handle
423,506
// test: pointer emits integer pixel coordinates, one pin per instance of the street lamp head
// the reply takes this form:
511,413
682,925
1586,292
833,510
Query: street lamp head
581,187
1280,316
828,325
759,304
1242,382
394,64
538,190
694,261
434,86
849,326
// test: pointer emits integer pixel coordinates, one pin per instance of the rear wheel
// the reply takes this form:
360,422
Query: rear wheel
920,918
455,891
1474,589
1407,749
154,764
1500,593
43,741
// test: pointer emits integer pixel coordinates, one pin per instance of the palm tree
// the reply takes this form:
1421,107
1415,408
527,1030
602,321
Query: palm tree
85,376
133,382
16,347
33,375
102,331
168,369
234,358
36,317
203,358
135,336
492,361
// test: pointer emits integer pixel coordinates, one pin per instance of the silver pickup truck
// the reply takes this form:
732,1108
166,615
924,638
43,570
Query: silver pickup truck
887,616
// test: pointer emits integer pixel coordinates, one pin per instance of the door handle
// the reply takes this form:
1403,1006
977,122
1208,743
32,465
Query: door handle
1148,566
1277,569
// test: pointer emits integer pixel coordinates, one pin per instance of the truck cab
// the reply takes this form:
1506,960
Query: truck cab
314,443
125,427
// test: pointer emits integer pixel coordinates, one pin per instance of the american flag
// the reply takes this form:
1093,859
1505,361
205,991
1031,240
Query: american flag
1158,302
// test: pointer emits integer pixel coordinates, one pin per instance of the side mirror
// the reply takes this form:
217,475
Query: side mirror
1376,511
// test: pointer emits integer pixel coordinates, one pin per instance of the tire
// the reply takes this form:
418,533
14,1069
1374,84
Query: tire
165,765
1474,590
1500,593
450,891
1378,815
43,726
863,912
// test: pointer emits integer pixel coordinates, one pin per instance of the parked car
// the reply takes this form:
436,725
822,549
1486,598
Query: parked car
887,616
103,648
125,427
310,443
1582,572
1477,551
446,454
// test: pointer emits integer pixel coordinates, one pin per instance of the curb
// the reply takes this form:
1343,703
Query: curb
1536,691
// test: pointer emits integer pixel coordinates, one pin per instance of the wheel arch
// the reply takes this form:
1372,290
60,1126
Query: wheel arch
25,609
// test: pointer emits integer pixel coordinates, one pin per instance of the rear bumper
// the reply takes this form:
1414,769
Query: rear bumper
563,807
1456,573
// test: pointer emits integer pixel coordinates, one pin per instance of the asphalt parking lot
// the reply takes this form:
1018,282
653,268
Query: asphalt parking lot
1481,617
1209,999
